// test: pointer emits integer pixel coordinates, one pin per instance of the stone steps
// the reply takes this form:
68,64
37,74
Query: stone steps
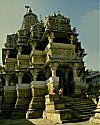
32,113
79,111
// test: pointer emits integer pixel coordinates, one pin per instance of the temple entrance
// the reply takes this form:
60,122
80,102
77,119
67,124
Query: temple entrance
70,84
66,84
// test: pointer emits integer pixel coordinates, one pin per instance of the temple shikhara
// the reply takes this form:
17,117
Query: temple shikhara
42,58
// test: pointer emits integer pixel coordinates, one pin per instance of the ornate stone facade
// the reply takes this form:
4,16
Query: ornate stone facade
43,52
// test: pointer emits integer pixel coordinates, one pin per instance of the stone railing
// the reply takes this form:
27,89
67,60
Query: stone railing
23,61
37,58
10,64
60,51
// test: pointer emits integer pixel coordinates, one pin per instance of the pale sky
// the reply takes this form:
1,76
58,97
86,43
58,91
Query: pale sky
84,15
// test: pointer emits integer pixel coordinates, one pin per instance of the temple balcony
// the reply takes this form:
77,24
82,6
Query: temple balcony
10,64
37,58
60,52
23,61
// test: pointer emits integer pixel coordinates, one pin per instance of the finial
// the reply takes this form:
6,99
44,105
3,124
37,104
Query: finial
27,8
30,11
58,12
40,17
54,14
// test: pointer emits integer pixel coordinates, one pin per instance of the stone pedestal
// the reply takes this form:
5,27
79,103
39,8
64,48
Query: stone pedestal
96,118
37,105
77,89
8,101
22,101
55,109
53,83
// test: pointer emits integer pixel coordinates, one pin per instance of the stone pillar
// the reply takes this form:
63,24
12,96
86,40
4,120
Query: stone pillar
66,75
37,105
53,69
33,45
22,101
66,89
7,78
51,37
19,50
7,53
76,79
20,75
47,73
34,74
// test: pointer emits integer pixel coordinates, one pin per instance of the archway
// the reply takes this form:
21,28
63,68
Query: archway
60,74
13,80
27,78
67,85
70,84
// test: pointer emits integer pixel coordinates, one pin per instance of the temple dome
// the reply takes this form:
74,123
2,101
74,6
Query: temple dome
29,19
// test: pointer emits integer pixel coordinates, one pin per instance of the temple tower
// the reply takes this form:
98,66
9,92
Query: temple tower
41,57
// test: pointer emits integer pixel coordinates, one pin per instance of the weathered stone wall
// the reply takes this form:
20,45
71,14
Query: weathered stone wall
8,101
22,101
37,105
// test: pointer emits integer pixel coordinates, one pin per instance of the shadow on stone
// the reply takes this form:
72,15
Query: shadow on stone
15,122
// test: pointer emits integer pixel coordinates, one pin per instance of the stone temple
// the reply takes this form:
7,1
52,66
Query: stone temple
40,59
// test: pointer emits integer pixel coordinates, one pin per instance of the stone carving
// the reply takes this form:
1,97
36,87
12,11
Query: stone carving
49,47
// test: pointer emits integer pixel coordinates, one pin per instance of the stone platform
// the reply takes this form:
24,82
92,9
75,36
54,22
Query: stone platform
67,109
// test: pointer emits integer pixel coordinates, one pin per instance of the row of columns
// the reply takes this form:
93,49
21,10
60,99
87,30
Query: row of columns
34,74
53,67
8,77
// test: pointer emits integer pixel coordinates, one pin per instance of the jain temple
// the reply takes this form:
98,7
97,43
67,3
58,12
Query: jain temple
42,58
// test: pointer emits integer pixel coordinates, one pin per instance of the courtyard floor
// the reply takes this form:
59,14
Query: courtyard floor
39,121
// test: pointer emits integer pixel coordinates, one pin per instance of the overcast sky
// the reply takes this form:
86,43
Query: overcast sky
84,15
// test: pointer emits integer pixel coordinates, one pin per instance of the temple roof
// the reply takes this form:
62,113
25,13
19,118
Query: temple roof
29,19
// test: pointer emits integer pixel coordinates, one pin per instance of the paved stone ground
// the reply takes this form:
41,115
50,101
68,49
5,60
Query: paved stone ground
39,121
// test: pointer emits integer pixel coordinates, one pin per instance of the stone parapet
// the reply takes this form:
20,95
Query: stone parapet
23,90
37,105
58,115
39,88
53,83
51,98
8,101
55,109
22,101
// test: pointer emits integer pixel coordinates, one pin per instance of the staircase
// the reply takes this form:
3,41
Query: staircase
67,109
82,109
